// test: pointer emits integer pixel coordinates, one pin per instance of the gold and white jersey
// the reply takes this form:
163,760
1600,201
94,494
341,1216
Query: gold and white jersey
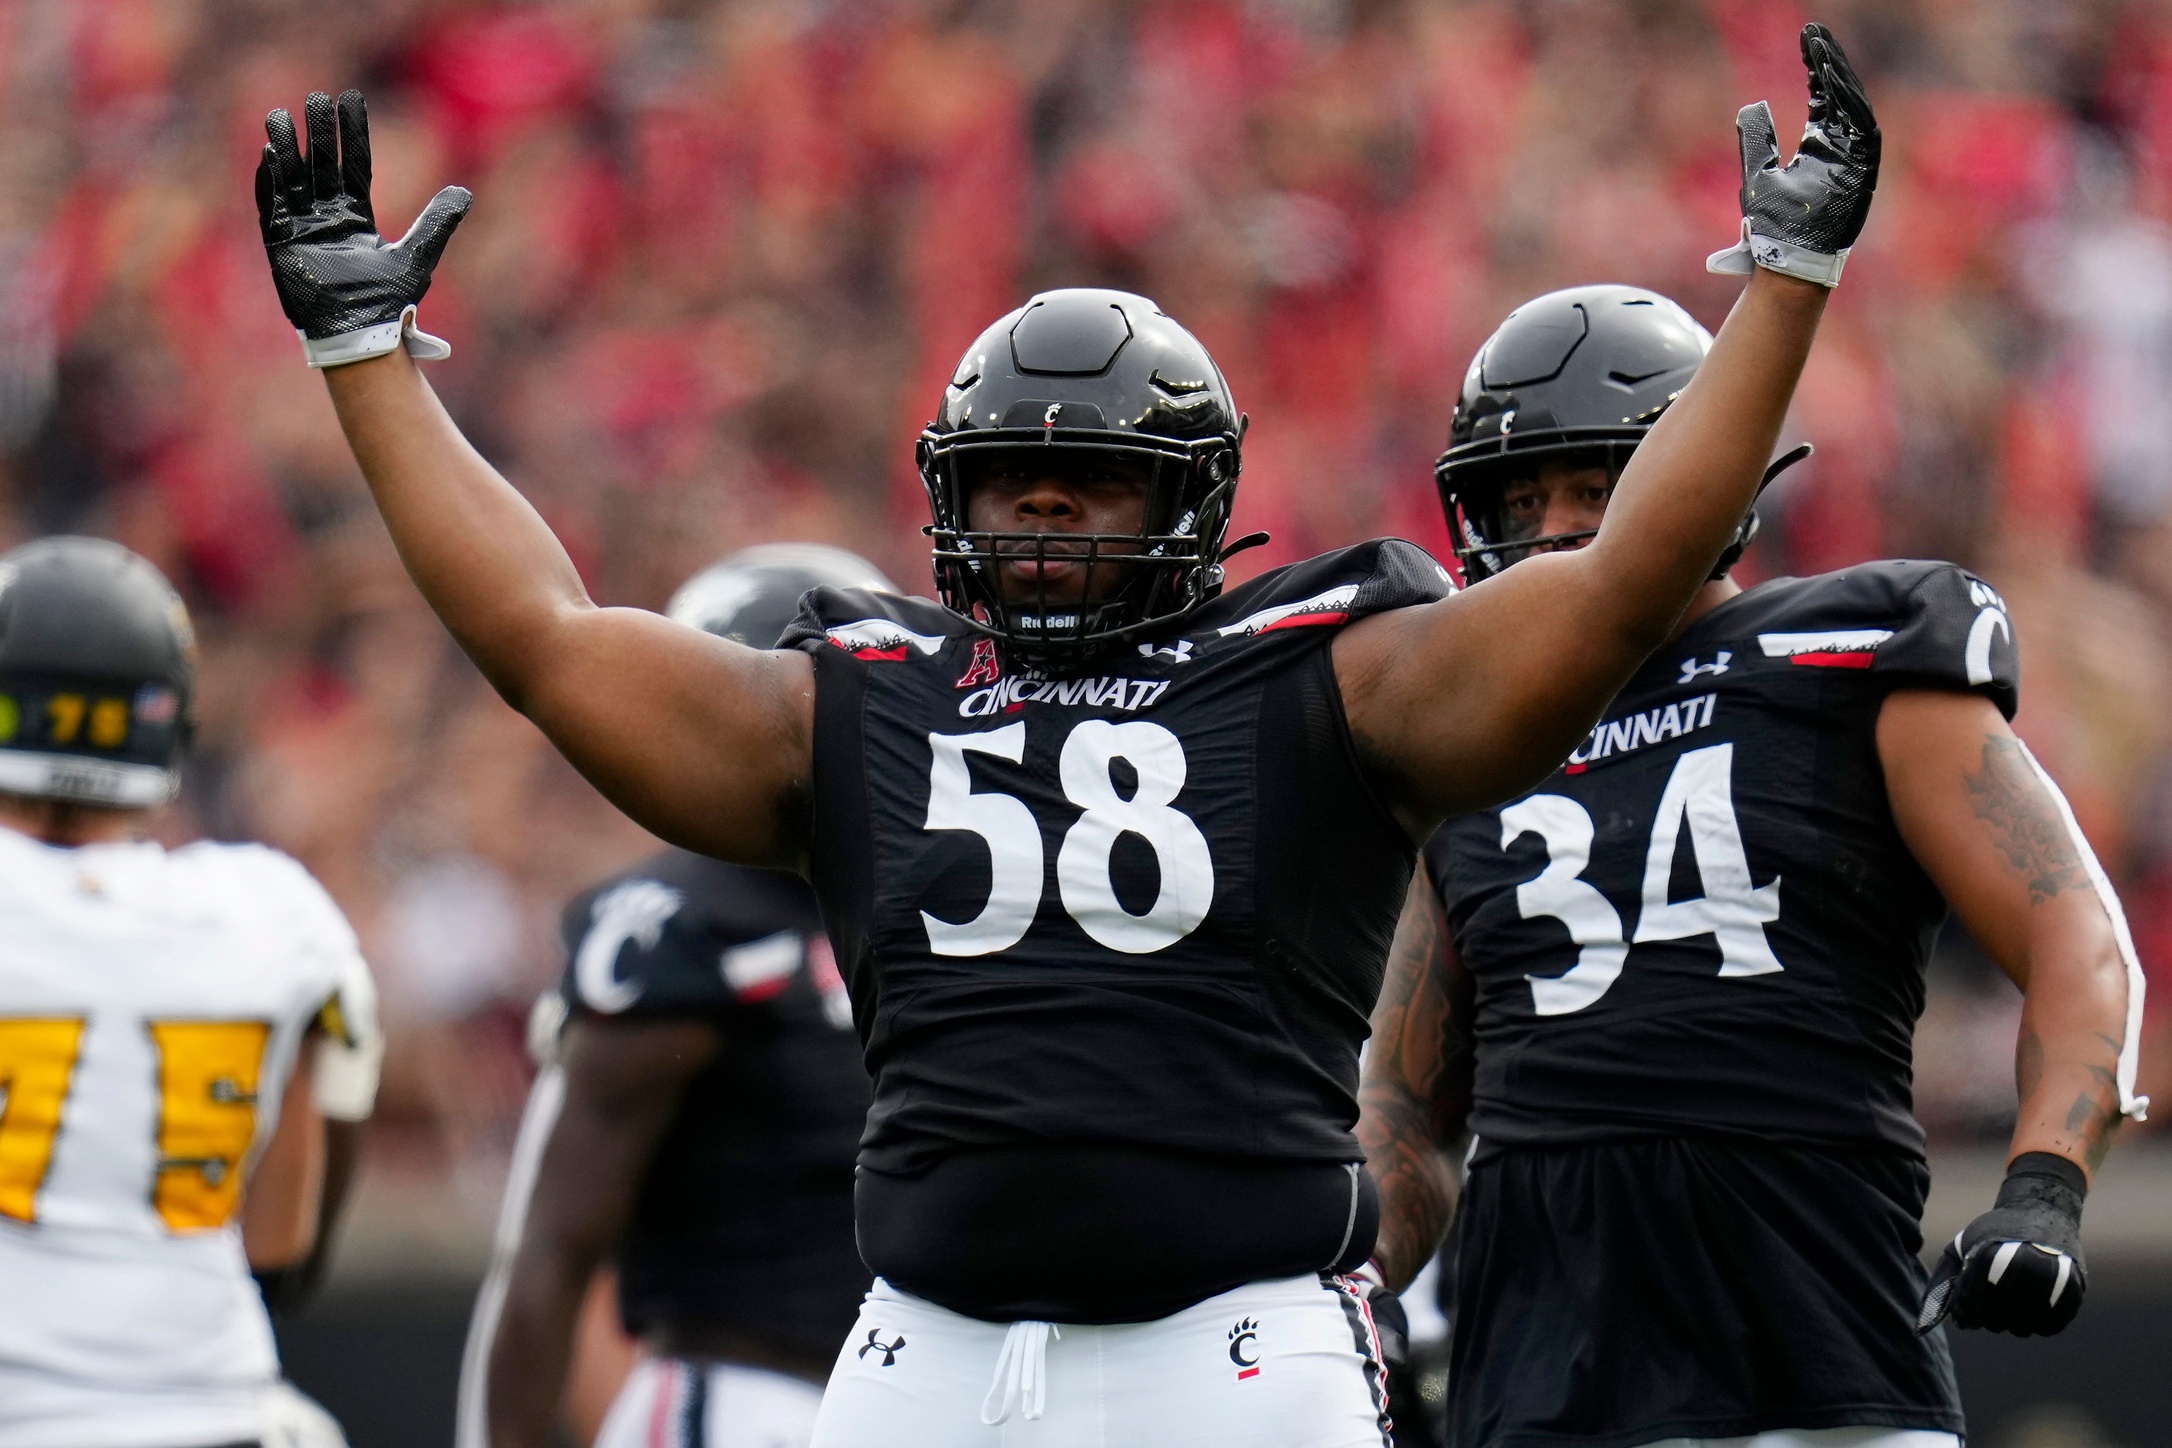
152,1007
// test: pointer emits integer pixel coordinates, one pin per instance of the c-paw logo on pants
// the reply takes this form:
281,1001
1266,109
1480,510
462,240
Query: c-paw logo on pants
1243,1340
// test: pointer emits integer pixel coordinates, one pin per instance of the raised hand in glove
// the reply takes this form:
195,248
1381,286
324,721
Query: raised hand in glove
1801,218
349,293
2017,1268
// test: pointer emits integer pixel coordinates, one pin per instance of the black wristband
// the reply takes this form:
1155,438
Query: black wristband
2044,1179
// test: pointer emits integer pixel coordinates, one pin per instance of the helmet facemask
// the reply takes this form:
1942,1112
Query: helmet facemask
1476,505
1074,376
1133,583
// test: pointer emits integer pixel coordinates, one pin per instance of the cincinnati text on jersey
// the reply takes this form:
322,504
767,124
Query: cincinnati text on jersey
1032,687
1620,736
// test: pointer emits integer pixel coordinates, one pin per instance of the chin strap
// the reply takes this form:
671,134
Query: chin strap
1783,462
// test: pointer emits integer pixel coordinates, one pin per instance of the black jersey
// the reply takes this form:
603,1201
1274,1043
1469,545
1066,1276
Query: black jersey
744,1221
1145,909
1707,921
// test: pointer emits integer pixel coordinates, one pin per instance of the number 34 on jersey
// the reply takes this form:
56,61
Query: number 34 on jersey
1733,910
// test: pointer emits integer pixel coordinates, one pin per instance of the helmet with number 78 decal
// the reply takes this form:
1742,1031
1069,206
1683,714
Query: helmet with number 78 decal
1078,376
97,665
752,596
1580,375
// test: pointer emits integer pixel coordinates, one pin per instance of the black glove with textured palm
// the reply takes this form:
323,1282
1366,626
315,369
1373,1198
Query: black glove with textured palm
1800,219
349,293
2017,1268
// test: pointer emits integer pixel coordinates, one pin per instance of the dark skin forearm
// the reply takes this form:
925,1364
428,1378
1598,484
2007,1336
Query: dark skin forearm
1990,833
1463,703
1416,1092
704,742
624,1080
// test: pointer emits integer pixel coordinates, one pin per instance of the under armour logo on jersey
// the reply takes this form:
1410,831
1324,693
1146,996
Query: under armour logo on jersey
985,669
1691,668
634,911
1180,651
874,1343
1244,1337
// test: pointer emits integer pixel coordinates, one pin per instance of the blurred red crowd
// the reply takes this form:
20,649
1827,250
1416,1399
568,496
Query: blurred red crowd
723,256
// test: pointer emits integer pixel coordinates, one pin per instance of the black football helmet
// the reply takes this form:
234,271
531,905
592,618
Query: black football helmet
1583,372
752,596
1101,372
97,666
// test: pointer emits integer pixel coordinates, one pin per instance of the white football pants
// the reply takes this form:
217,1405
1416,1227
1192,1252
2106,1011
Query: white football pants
1290,1362
674,1403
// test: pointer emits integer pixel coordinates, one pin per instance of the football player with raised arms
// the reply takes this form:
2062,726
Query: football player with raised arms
177,1029
1672,991
695,1124
1110,856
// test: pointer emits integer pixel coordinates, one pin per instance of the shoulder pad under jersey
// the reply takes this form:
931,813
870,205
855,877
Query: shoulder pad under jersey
682,934
872,625
351,1053
1334,588
1908,622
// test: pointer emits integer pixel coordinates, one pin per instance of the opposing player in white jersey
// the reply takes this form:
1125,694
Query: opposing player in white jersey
155,1006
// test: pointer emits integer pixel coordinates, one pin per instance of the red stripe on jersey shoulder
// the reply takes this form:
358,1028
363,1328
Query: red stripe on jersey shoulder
1834,661
1306,620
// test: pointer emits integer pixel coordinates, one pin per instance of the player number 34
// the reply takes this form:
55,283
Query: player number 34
1732,910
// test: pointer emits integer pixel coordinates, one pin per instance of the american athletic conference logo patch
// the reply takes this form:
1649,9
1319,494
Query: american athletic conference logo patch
985,668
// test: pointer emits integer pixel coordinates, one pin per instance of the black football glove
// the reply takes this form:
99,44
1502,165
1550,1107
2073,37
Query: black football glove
1801,218
2017,1268
348,293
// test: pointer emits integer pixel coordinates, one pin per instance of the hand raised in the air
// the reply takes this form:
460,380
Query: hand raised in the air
348,292
1800,219
2017,1268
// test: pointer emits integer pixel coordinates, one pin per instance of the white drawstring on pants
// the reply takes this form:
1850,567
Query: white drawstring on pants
1021,1373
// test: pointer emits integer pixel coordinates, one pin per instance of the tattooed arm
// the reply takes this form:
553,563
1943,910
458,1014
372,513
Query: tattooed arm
1417,1087
1991,832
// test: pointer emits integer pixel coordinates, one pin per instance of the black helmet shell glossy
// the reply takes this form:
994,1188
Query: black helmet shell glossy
1106,360
1106,372
752,596
1574,367
1584,370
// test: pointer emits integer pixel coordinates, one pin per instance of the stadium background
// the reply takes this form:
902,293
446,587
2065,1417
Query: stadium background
723,256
